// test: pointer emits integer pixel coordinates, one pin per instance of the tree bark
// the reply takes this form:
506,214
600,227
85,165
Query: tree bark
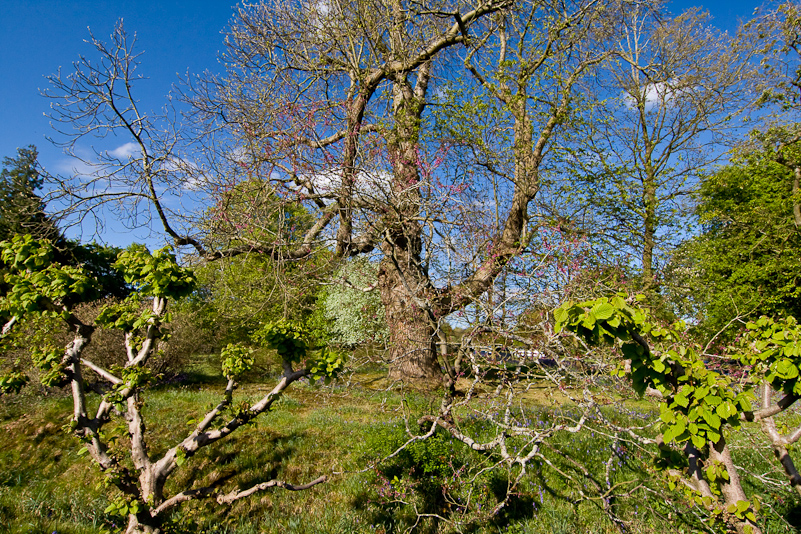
732,489
412,343
143,523
401,277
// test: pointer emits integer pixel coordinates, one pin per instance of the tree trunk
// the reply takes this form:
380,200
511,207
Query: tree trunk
143,523
649,233
412,341
732,489
402,278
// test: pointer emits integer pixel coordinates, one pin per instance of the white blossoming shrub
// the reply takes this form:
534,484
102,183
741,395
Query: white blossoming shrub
355,316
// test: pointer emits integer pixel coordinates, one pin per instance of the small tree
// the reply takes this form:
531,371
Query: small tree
702,407
40,287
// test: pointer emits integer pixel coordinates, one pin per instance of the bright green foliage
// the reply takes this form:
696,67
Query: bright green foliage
157,274
776,353
293,343
36,284
236,360
699,402
235,296
151,275
126,316
39,286
700,405
747,259
288,339
326,364
48,361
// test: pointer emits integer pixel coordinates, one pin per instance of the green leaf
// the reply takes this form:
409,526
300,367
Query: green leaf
698,441
670,433
725,409
560,314
742,506
711,418
666,414
786,369
681,400
603,311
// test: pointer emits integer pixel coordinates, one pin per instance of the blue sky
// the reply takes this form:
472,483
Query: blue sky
38,37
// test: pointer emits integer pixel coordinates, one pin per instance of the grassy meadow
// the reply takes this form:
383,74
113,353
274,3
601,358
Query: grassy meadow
438,485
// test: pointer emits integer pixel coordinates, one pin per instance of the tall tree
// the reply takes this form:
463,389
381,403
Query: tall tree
21,208
328,104
664,111
22,212
746,260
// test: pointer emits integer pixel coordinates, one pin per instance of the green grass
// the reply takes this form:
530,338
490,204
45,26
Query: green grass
46,487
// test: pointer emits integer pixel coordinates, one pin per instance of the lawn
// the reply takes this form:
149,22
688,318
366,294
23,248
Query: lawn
342,431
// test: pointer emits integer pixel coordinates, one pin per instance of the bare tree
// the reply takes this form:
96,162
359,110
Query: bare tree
668,108
327,104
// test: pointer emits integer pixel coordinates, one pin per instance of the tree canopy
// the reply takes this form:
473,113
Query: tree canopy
745,262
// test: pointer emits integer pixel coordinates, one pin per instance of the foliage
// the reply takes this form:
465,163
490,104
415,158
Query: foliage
236,360
293,343
36,284
237,295
746,260
702,407
155,275
21,209
43,288
776,354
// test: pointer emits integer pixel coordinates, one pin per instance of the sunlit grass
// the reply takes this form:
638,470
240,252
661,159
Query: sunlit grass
340,432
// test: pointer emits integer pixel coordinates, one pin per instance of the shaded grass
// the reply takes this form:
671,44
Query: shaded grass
45,486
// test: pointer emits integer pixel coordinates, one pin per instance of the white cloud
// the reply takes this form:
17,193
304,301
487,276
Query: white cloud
656,94
126,151
368,184
76,167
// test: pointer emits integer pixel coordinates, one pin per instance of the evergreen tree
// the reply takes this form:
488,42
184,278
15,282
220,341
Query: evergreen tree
21,209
